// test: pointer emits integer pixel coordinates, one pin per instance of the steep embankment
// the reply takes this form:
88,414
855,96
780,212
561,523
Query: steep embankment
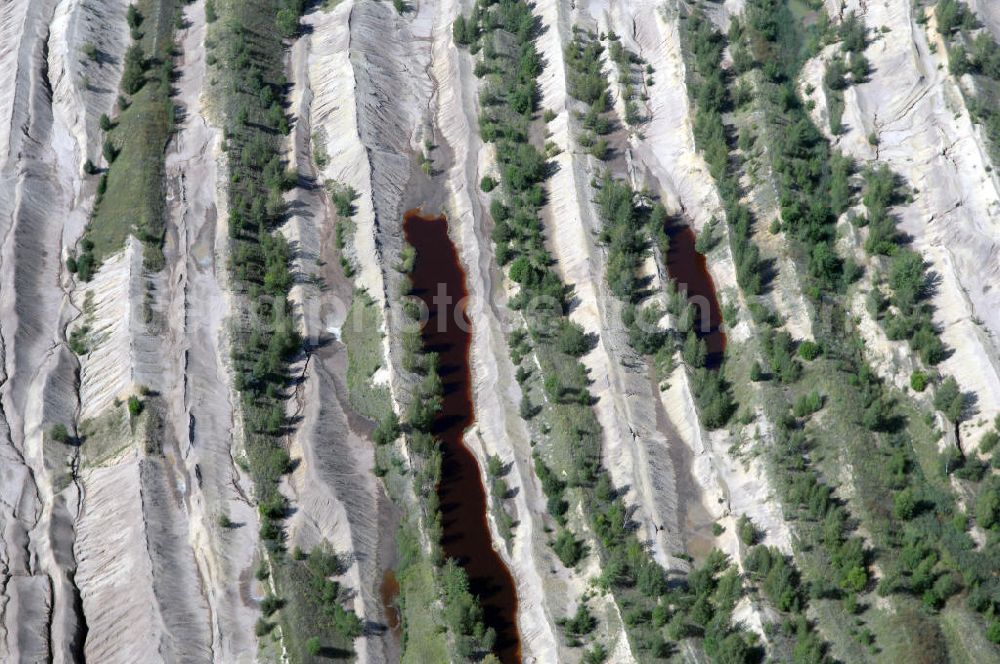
193,304
339,497
664,157
53,96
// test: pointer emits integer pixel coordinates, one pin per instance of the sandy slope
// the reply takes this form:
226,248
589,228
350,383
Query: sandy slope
338,496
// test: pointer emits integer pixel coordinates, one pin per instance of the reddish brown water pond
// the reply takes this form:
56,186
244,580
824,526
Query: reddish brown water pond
466,535
389,591
690,270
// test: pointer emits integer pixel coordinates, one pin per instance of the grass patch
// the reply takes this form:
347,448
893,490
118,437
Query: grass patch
362,335
423,636
105,436
134,201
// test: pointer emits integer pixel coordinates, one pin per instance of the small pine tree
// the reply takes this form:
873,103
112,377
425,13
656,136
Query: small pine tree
134,17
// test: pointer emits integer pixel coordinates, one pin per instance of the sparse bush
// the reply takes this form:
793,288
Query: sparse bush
59,433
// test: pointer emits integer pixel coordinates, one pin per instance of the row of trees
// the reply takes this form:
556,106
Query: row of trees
801,163
920,534
504,33
978,55
708,87
248,53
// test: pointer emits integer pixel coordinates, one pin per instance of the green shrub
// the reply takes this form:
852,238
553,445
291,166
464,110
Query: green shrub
134,406
904,504
581,623
949,399
110,151
573,340
809,350
988,442
462,32
807,404
270,604
568,548
59,433
918,381
487,184
387,430
263,627
287,22
343,197
133,75
748,532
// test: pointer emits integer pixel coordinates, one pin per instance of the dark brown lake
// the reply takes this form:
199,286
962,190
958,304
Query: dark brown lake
466,535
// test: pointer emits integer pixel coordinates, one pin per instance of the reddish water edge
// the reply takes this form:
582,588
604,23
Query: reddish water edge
690,270
389,591
466,534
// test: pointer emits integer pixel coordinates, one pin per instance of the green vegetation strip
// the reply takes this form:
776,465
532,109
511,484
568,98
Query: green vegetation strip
248,55
131,191
568,457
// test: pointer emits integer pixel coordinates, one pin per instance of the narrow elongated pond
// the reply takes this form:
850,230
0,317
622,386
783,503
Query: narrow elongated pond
438,280
690,270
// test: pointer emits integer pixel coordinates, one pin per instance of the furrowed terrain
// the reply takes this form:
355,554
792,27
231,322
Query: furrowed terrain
497,331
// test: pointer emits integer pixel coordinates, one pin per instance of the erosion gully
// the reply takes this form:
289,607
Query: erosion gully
466,534
690,270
